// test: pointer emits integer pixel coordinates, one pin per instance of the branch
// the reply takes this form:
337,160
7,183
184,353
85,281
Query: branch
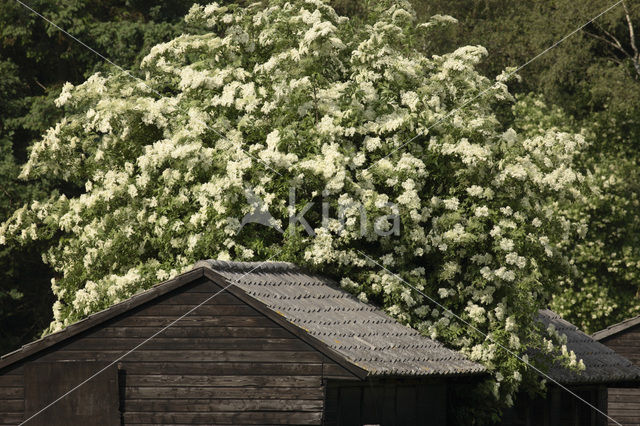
632,39
609,42
615,42
40,84
9,198
619,62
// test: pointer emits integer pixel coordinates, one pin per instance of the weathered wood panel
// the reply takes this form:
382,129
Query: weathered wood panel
11,405
191,355
223,381
12,371
624,406
558,408
11,392
190,332
240,418
174,311
96,402
631,336
193,299
195,321
386,402
11,380
12,396
185,343
225,368
11,418
626,343
203,405
232,392
429,397
334,371
209,287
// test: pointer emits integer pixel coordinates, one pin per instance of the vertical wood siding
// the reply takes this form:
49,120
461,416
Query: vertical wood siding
558,408
386,402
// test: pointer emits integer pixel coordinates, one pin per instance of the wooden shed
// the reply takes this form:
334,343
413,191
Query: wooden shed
624,338
604,368
267,344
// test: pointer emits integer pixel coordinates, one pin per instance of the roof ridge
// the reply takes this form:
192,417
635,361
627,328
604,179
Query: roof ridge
257,267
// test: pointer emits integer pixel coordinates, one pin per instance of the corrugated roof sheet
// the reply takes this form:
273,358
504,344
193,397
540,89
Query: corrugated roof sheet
362,333
603,365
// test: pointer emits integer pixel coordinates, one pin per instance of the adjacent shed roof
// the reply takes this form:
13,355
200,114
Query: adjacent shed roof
603,365
616,328
360,332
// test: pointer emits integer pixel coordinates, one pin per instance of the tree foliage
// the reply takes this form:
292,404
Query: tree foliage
593,78
352,115
36,59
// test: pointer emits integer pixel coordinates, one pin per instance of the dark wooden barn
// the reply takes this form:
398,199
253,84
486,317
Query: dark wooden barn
624,338
604,368
270,344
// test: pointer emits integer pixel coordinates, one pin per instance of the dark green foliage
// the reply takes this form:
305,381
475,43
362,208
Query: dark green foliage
594,78
585,75
36,59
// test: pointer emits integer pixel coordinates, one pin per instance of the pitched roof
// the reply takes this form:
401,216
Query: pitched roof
99,317
360,332
357,335
616,328
603,365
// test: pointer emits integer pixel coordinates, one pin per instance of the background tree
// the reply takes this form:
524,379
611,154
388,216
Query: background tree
593,78
18,303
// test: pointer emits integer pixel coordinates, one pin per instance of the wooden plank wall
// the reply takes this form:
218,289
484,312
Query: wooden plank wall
12,396
225,363
386,402
558,408
624,404
96,402
626,343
